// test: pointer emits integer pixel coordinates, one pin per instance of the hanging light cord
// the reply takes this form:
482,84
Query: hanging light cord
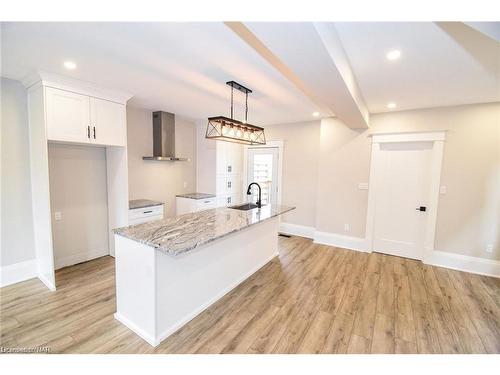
232,90
246,106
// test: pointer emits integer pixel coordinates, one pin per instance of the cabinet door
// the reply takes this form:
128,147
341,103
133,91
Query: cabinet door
234,158
221,157
68,116
108,123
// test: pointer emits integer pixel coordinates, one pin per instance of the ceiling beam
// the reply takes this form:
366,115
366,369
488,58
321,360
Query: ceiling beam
311,56
490,29
483,48
244,33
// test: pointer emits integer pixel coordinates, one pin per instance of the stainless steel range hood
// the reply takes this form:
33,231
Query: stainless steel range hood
163,138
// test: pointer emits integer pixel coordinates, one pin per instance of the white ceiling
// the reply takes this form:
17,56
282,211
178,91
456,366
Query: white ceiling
434,69
176,67
183,67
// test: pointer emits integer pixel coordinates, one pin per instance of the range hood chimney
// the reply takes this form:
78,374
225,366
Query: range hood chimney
163,138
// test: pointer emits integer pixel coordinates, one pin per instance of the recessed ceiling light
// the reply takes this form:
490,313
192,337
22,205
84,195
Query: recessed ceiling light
391,105
393,55
315,114
69,65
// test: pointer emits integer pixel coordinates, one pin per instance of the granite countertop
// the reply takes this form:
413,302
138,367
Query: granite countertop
142,203
178,235
196,195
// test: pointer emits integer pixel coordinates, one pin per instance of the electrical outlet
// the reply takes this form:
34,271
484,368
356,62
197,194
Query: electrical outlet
346,227
185,184
489,248
58,215
363,186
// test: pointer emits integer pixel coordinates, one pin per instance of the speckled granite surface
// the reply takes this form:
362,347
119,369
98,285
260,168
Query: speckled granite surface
142,203
196,195
178,235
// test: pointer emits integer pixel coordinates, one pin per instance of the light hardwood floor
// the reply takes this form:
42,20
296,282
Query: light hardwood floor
312,299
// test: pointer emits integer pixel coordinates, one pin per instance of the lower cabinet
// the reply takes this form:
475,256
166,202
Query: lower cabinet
143,215
188,205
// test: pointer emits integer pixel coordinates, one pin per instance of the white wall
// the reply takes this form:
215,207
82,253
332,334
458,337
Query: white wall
300,169
468,214
159,180
78,191
206,160
17,243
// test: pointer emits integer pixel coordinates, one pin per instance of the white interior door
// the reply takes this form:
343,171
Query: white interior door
402,188
263,169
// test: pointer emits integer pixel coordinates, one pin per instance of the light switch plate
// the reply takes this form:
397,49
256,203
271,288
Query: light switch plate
363,186
58,215
442,189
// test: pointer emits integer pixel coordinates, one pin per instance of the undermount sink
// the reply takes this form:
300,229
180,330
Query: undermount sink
245,207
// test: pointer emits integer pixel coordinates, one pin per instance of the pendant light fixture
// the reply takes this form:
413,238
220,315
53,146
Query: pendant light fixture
231,130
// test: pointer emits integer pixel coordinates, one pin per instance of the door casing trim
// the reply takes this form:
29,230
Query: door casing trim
438,139
269,144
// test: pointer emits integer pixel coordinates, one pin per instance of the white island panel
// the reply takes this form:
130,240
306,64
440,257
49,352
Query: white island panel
158,293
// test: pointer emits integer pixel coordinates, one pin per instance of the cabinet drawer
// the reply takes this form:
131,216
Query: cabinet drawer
146,212
205,204
141,220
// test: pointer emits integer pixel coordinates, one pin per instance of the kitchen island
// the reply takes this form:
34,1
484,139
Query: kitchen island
170,270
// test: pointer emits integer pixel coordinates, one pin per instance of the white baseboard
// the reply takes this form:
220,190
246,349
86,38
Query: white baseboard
338,240
79,258
464,263
17,272
444,259
297,230
139,332
48,283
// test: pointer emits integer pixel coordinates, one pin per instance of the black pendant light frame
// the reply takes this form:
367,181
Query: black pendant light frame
231,130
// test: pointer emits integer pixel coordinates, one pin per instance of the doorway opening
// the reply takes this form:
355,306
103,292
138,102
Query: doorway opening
263,166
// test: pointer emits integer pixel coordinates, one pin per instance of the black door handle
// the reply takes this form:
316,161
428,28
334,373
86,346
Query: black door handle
421,208
94,132
88,131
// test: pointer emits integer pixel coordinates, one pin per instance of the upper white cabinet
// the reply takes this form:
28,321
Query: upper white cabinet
68,116
108,122
73,117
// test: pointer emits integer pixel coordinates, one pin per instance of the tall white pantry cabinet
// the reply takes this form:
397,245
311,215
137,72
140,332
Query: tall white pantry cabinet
229,173
66,110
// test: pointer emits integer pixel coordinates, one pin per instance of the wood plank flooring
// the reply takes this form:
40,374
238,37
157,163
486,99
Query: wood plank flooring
311,299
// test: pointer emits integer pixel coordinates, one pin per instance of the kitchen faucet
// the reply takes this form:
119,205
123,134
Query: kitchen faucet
260,193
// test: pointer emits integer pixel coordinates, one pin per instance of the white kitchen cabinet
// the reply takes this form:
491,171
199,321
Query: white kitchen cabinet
189,205
145,214
108,122
68,116
79,118
229,168
59,110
